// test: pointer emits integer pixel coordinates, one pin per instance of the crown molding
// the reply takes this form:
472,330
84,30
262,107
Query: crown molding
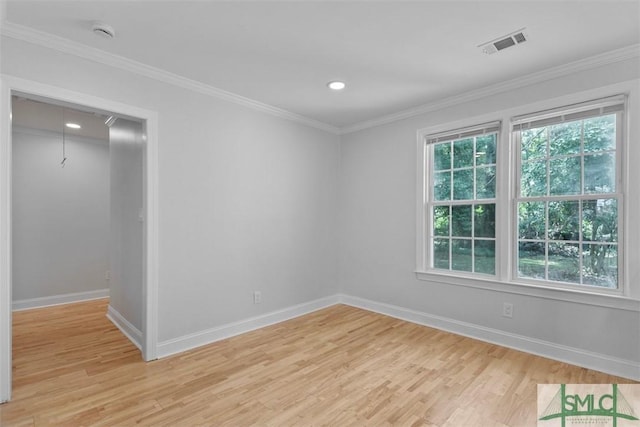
596,61
40,38
30,35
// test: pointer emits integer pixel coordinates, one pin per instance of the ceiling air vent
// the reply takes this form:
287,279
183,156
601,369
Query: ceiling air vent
501,43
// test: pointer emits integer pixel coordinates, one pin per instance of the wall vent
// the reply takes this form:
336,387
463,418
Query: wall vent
504,42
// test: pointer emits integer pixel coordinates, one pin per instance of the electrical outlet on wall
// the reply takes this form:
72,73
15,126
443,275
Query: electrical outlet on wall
107,275
257,297
507,310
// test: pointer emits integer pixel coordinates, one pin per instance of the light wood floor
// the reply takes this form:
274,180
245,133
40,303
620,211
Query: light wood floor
340,366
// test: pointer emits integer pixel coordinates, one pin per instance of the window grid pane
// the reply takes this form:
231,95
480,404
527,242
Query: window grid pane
462,231
567,208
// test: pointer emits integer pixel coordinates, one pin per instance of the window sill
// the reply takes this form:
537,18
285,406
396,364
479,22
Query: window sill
560,294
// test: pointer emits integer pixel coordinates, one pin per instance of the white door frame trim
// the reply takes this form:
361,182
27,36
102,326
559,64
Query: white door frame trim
9,85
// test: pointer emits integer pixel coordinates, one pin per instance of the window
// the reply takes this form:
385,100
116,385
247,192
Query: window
462,202
568,202
559,197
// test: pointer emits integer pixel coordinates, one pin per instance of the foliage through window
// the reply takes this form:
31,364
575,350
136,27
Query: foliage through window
568,201
562,196
463,205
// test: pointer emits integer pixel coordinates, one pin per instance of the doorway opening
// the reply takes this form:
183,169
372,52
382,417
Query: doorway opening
77,210
79,214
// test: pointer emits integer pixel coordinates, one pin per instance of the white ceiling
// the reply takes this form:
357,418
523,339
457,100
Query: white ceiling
33,114
394,55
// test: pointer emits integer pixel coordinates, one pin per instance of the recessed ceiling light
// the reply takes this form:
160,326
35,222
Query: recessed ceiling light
73,125
336,85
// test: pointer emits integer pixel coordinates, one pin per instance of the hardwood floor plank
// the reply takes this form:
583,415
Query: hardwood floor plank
340,366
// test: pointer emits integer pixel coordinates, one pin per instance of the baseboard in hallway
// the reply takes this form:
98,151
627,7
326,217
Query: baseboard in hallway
48,301
131,332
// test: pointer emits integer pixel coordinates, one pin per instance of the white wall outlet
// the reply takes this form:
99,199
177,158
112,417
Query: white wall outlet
257,297
107,275
507,310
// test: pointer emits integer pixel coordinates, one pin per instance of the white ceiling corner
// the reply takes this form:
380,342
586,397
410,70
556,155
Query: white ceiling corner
399,59
617,55
60,44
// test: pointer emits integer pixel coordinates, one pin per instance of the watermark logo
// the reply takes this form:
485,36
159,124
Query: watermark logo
601,405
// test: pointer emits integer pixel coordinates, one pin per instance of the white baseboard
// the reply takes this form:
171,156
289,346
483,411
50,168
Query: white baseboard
572,355
129,331
575,356
27,304
188,342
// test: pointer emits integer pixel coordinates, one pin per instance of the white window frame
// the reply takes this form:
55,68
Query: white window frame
625,297
561,115
447,136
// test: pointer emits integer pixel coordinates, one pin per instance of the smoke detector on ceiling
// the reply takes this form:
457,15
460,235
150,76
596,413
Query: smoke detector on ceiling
103,30
504,42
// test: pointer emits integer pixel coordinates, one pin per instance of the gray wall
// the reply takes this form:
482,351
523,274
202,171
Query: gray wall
60,215
247,200
126,152
250,202
378,227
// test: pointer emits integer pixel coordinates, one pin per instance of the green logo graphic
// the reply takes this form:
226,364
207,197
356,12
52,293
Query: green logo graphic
564,405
